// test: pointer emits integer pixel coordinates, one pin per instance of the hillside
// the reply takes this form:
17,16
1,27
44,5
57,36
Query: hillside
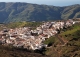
15,12
8,51
70,47
64,44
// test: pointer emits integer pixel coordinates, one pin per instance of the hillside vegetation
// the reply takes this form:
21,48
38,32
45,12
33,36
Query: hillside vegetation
16,12
23,24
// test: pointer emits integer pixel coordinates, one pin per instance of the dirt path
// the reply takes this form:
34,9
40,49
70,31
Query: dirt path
62,40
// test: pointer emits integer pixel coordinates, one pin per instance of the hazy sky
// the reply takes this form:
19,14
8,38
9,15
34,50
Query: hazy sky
47,2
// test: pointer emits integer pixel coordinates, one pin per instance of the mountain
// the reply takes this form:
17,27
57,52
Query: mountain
15,12
70,12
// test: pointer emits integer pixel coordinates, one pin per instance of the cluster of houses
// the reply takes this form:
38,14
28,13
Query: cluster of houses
32,39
